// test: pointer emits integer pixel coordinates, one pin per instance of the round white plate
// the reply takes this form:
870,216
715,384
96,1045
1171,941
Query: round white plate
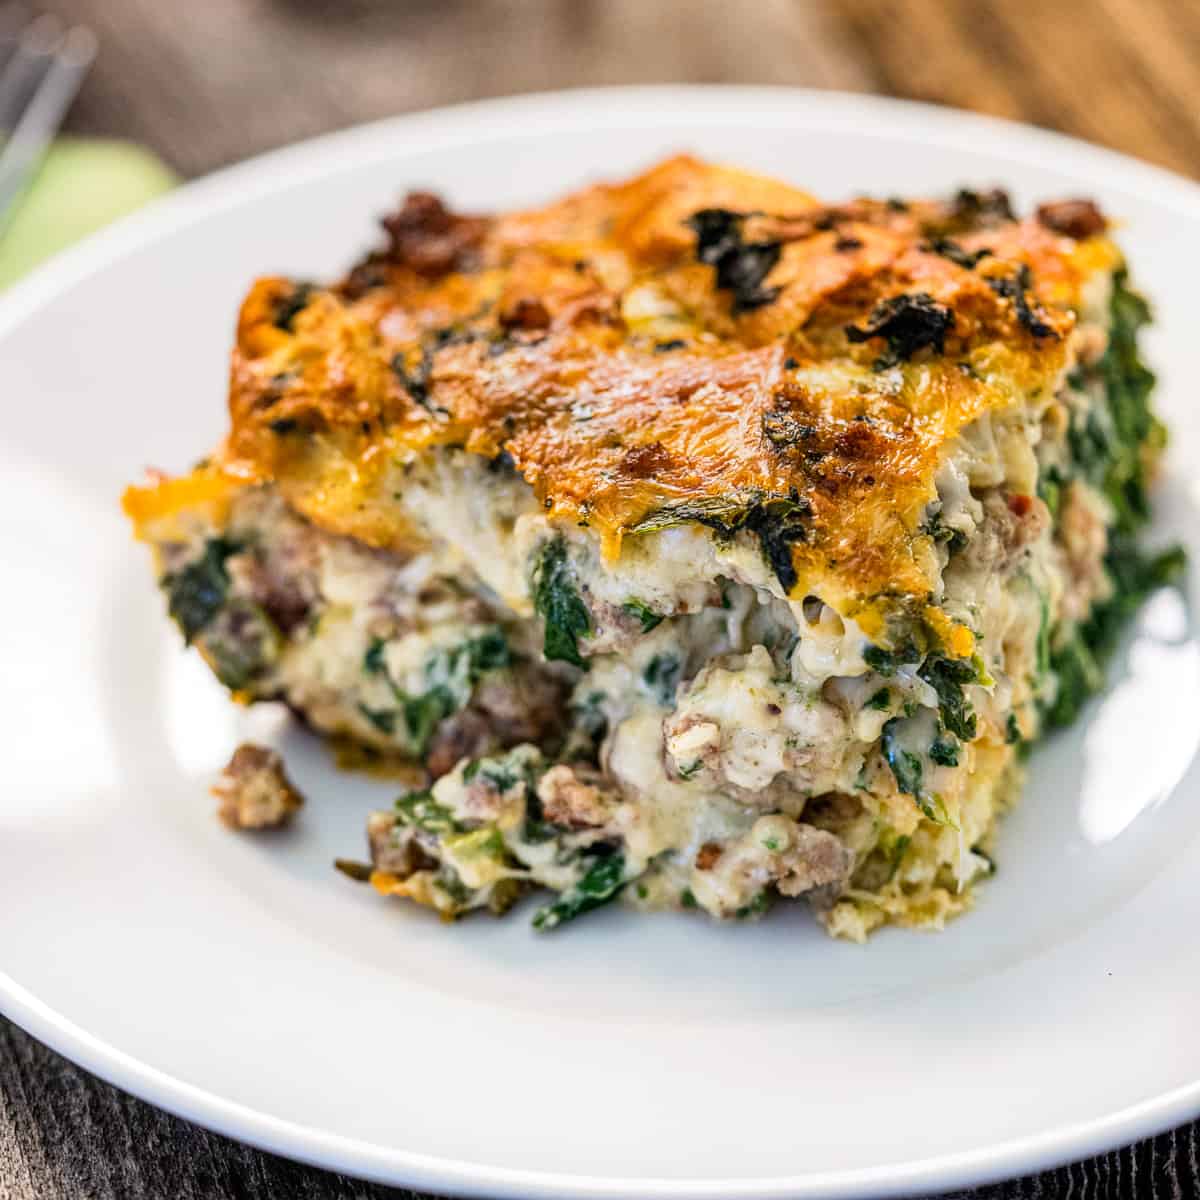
242,983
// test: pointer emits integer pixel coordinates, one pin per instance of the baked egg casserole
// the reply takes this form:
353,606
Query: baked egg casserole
702,544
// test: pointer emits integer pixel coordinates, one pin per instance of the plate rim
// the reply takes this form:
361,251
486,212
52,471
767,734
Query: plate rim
444,1176
393,137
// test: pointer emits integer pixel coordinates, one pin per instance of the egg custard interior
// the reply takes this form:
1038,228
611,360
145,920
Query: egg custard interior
703,545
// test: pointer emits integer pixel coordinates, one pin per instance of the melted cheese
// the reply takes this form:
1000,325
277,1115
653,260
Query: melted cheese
553,337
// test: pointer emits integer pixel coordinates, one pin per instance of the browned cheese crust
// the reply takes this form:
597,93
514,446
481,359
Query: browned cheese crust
776,360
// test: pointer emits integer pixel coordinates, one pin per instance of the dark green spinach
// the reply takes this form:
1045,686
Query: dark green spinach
601,883
196,592
556,600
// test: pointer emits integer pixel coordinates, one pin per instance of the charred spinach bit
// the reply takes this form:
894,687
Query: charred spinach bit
556,600
416,381
948,248
288,307
669,345
644,613
778,521
755,908
196,593
1015,288
779,524
741,266
422,811
601,883
688,898
908,322
881,701
661,676
947,676
888,662
1012,731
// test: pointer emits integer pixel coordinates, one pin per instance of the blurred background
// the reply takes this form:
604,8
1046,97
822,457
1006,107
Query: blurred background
181,87
205,82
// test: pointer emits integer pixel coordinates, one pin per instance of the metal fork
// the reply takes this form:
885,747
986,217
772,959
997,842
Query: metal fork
42,64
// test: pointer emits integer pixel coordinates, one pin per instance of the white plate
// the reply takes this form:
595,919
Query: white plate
242,983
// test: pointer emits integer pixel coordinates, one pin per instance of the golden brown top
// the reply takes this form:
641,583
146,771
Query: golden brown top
695,342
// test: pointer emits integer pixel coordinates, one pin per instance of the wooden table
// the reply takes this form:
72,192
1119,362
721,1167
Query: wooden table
205,82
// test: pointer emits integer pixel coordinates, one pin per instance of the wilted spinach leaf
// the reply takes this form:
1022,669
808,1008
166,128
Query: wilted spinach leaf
661,676
557,602
195,593
601,883
422,811
643,612
906,766
947,676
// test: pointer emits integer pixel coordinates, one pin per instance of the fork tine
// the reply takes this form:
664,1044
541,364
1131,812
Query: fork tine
68,64
25,68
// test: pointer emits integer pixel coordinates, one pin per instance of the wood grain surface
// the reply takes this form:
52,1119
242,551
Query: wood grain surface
207,82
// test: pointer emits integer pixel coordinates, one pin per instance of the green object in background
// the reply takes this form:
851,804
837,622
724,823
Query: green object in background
83,184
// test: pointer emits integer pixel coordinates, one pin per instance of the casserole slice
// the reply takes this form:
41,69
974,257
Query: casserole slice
704,544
